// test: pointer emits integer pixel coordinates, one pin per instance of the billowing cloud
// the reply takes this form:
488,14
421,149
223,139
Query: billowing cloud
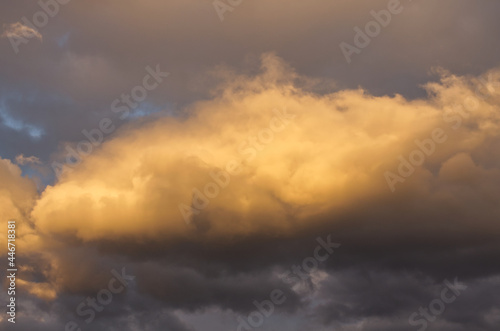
300,159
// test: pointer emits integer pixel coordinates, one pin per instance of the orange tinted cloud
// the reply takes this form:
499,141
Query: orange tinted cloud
333,153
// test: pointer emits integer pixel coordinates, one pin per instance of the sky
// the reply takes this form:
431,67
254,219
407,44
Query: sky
200,165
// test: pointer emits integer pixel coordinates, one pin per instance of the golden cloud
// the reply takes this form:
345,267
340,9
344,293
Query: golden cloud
239,165
17,197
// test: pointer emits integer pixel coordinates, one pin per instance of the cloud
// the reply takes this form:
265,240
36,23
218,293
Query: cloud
40,290
17,198
23,160
18,30
311,172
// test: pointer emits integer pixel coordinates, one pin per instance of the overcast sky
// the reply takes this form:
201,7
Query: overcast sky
277,165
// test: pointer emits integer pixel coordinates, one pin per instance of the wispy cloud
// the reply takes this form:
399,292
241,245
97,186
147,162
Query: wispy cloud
23,160
19,30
